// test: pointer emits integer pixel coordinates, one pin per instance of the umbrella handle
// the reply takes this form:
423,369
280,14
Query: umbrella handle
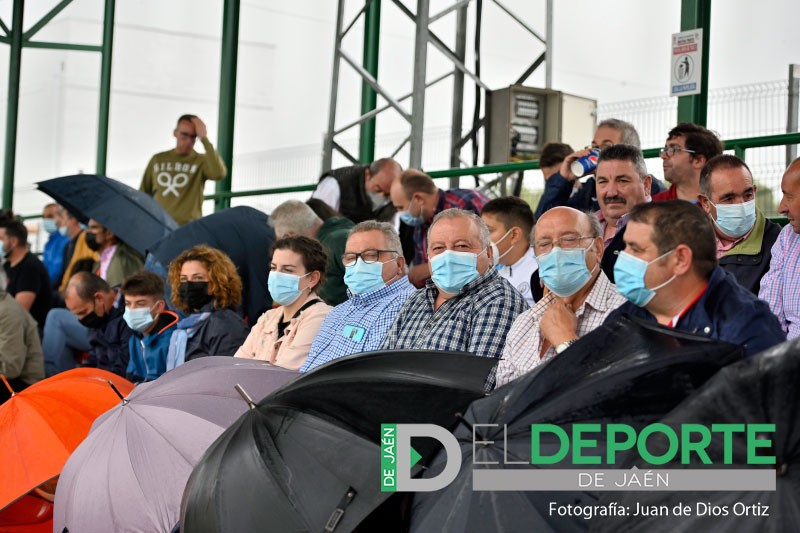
115,389
246,397
6,383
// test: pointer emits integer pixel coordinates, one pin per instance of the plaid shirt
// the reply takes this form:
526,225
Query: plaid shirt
780,286
524,342
358,324
474,321
467,199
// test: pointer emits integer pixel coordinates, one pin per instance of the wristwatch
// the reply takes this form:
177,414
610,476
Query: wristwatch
564,345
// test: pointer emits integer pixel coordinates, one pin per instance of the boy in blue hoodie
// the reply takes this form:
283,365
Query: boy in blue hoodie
151,323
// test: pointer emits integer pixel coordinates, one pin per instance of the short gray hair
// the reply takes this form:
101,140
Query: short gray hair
388,231
625,152
294,216
483,231
629,133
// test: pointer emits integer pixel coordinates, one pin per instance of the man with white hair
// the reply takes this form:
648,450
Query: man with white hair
568,245
294,217
466,306
375,273
21,360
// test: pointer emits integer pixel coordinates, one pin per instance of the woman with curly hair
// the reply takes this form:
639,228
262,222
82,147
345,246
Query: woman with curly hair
283,335
207,289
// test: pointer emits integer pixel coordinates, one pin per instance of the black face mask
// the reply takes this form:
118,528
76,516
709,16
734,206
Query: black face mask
194,293
94,321
91,241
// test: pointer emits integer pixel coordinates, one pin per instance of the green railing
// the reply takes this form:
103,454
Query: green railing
739,146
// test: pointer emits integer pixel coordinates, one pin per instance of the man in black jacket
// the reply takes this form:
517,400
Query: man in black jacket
744,235
360,192
100,308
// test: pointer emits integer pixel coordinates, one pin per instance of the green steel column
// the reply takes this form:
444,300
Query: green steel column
227,95
105,87
12,109
369,98
696,14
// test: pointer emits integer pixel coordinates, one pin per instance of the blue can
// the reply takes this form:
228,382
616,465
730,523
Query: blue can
586,164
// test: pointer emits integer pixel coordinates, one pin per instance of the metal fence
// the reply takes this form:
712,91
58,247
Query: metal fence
752,110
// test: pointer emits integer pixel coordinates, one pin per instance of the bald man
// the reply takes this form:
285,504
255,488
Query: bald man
578,296
780,286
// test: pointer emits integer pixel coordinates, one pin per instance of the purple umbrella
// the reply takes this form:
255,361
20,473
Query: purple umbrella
130,472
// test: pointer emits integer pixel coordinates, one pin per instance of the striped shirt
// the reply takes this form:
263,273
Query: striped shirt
467,199
521,353
358,324
475,321
780,286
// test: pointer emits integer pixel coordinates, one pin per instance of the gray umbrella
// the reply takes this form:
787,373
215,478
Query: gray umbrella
129,473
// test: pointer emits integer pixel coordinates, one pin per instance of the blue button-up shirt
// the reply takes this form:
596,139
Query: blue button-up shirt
358,324
475,321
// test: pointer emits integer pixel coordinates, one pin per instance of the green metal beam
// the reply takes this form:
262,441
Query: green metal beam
62,46
369,98
12,109
4,27
696,14
227,96
105,87
45,19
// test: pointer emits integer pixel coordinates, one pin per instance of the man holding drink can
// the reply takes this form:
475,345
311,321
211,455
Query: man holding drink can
558,188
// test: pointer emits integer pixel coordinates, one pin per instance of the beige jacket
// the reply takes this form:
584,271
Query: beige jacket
291,350
20,350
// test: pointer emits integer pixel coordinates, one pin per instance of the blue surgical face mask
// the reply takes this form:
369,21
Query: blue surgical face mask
49,225
284,288
412,220
138,319
564,270
629,273
62,230
451,270
362,277
734,220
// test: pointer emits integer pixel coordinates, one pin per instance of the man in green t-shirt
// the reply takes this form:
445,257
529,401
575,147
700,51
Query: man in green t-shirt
176,178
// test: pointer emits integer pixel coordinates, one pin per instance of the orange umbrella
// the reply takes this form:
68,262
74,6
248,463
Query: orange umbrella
42,425
28,514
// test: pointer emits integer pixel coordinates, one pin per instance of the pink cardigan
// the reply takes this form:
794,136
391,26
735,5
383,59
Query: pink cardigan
291,350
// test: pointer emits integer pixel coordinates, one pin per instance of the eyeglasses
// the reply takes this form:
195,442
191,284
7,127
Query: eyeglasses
368,256
567,241
669,151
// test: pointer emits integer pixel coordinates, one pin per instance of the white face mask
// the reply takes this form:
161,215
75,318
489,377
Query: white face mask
496,255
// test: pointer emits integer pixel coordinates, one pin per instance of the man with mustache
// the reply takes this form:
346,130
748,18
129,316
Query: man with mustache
622,182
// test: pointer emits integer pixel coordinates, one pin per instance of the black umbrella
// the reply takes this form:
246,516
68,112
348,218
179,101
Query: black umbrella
132,215
759,390
308,455
242,233
628,372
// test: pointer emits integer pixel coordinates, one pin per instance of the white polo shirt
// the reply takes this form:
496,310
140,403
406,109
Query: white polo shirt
519,274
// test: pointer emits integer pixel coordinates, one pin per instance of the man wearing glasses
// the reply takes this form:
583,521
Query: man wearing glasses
688,149
377,286
568,245
176,178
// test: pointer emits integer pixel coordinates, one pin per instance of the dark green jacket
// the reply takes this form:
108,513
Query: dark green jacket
333,236
125,262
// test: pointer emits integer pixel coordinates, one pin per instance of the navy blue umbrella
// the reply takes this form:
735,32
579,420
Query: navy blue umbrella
132,215
242,233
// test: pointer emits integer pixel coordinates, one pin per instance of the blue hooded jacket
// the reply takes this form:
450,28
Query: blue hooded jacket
148,354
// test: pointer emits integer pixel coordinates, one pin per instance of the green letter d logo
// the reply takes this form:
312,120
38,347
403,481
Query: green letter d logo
405,451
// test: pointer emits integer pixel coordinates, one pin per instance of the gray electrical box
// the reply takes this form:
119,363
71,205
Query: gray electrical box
521,120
